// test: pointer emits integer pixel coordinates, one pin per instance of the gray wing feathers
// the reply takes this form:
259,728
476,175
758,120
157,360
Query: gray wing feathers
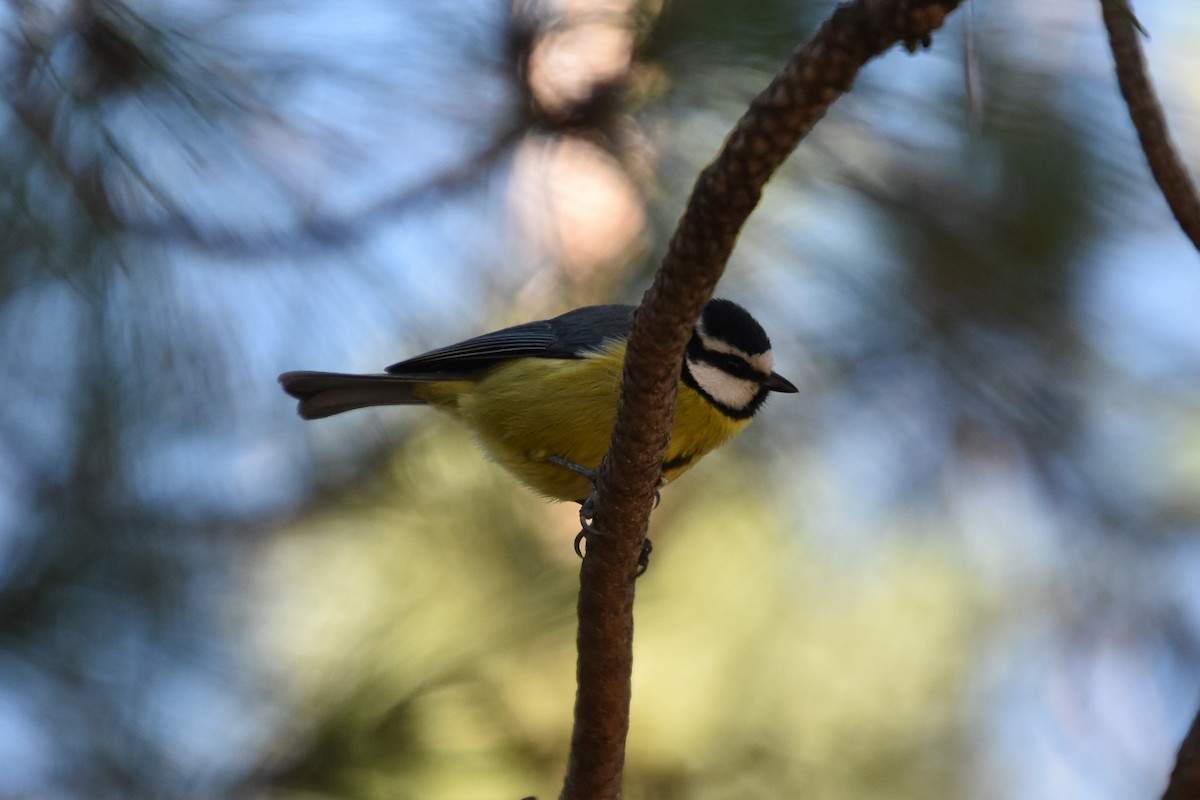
530,339
569,335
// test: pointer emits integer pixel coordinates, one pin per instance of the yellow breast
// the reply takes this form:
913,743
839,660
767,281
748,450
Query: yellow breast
530,409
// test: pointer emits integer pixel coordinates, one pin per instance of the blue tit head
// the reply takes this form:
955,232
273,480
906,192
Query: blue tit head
728,360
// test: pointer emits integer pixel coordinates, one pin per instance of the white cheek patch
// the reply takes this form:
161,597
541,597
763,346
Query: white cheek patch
760,361
723,387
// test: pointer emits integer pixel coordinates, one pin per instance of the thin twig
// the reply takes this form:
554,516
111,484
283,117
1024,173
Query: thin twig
725,194
1147,114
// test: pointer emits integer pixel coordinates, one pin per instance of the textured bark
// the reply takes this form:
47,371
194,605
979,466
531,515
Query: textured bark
725,194
1147,114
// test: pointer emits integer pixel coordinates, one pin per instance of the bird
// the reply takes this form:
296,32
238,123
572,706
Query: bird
541,397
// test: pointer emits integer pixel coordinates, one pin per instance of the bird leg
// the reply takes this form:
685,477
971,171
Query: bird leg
585,506
587,509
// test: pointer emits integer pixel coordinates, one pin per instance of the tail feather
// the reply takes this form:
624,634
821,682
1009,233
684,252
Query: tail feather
323,394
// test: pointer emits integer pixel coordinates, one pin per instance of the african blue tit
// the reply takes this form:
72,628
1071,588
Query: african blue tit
541,397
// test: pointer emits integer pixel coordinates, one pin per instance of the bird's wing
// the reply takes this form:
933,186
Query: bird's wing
570,335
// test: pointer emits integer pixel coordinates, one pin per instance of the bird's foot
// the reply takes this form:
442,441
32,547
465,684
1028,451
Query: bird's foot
586,528
587,512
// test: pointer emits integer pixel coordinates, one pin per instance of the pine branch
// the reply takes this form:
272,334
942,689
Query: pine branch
1147,114
725,194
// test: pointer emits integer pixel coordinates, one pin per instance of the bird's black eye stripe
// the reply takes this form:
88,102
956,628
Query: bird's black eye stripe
729,363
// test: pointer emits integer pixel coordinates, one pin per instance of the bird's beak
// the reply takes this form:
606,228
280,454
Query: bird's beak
777,383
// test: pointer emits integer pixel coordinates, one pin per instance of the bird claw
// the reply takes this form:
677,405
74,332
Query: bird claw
643,562
587,513
580,538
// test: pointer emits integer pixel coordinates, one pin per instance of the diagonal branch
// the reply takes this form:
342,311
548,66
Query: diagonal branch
725,194
1147,115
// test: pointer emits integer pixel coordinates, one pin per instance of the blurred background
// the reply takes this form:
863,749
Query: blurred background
963,562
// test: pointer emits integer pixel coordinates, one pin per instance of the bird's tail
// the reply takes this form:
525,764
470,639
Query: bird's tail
323,394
